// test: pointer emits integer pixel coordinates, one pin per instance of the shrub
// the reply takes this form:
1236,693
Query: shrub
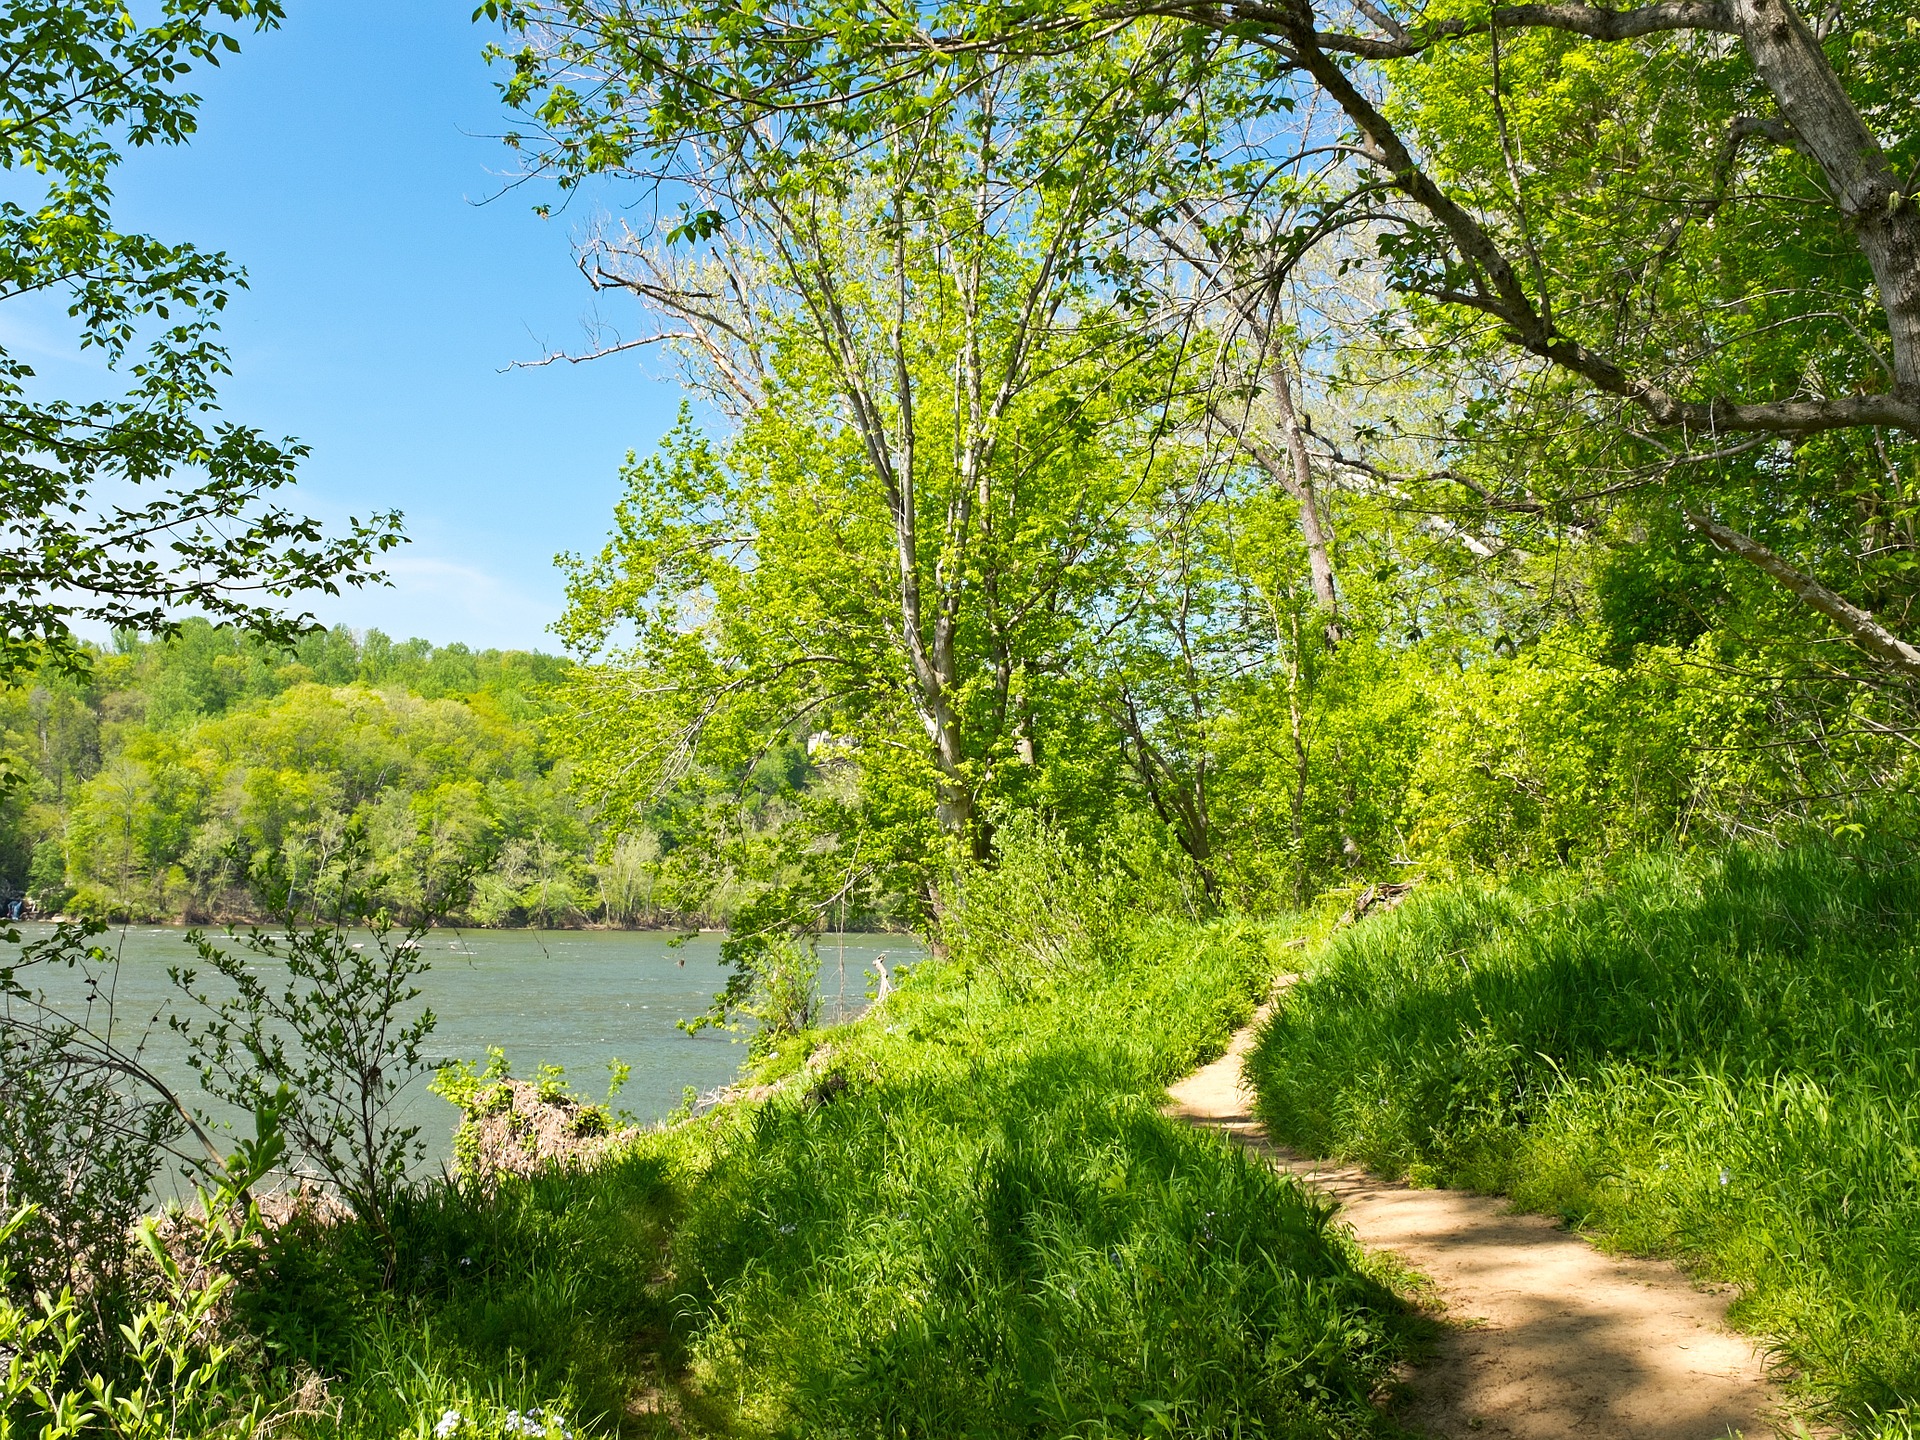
1041,911
84,1131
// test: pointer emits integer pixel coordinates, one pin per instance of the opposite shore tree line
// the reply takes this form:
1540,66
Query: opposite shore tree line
172,777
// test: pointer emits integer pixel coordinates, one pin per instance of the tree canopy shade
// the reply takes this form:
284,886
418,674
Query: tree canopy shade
120,511
1671,250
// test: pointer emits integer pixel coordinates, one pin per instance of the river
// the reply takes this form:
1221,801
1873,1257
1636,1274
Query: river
573,998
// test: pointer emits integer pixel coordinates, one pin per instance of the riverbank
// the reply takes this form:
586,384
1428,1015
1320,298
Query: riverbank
967,1215
577,1000
661,926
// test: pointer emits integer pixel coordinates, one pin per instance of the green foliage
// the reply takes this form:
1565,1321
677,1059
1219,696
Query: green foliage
1710,1057
1042,913
1435,760
1537,654
163,784
1661,241
943,433
174,1375
84,1129
970,1218
1538,344
85,80
175,1382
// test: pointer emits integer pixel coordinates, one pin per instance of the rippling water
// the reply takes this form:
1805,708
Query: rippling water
574,998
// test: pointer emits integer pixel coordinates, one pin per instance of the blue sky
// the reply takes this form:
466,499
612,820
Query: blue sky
341,160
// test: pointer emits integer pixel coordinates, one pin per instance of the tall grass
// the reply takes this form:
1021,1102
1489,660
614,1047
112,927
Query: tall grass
969,1219
1714,1057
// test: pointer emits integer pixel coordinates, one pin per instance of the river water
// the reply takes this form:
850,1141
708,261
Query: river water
573,998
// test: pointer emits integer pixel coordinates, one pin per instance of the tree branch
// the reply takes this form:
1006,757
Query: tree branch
1868,632
1592,21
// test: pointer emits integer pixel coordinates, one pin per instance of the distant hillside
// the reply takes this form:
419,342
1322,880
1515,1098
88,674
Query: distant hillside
156,787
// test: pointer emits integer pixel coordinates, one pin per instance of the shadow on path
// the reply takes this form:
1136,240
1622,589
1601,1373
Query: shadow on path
1545,1337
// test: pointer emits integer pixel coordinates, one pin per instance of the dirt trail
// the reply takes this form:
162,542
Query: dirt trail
1546,1337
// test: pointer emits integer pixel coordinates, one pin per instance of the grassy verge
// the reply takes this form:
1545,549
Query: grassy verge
1716,1058
968,1219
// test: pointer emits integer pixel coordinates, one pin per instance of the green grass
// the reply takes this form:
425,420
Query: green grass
989,1230
1716,1058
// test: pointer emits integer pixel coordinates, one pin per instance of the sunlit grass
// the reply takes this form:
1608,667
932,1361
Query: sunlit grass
1713,1057
990,1229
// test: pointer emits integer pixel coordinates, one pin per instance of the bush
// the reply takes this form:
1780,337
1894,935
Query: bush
1042,911
81,1138
176,1374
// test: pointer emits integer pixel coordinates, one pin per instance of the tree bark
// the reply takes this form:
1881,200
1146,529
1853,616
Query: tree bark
1820,113
1313,527
1293,472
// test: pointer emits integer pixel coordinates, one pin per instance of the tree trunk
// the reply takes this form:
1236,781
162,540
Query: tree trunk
1299,483
1884,219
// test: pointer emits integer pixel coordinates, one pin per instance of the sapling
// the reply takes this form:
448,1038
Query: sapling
340,1027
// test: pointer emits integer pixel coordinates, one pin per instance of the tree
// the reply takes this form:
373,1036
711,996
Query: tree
942,427
1671,250
86,538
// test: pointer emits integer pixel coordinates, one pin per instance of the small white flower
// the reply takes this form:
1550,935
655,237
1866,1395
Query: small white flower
449,1423
1726,1176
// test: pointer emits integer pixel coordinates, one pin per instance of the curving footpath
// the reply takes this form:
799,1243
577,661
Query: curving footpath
1545,1337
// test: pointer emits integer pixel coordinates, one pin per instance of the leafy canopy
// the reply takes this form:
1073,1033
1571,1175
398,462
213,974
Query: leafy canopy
120,511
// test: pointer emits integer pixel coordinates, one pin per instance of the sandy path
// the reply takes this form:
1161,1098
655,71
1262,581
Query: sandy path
1546,1337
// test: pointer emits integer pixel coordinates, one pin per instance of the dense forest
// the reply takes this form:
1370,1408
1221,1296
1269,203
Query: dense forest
1399,520
168,772
162,780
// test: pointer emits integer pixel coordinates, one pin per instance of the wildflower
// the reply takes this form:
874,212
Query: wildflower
449,1423
1726,1176
535,1422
